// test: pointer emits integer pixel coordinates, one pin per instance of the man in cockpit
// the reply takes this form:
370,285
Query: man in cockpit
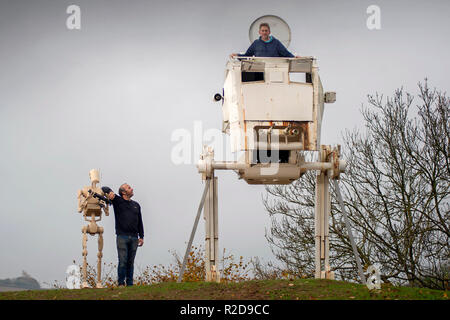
266,46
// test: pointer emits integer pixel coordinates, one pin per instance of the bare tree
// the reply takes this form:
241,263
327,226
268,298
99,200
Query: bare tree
396,190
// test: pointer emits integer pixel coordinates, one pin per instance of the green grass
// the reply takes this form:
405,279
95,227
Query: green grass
299,289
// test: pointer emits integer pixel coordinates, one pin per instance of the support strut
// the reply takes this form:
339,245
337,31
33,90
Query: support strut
350,234
194,228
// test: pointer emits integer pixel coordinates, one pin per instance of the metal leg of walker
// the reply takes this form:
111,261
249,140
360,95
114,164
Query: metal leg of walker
349,230
322,216
209,204
212,233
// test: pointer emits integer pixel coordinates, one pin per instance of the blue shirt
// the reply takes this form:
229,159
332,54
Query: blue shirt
271,48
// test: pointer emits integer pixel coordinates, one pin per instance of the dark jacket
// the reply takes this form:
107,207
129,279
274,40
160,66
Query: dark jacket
128,217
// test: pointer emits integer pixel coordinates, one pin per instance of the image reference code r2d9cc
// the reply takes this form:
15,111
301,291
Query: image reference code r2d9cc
246,309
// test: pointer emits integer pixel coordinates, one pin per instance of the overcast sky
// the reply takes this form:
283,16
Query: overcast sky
110,95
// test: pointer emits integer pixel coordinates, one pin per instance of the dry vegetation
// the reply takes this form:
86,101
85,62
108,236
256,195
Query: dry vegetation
231,270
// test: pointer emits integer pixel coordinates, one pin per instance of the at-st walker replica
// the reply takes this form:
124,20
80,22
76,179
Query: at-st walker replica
91,201
272,120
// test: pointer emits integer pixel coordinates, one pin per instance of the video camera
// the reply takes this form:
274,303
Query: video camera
100,197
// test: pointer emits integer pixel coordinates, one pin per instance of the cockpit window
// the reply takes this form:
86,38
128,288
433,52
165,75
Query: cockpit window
300,77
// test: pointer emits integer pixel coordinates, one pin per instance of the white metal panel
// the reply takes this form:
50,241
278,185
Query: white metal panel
257,64
227,96
278,102
300,65
276,76
234,109
274,173
320,110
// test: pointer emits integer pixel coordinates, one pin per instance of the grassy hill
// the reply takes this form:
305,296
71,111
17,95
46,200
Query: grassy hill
299,289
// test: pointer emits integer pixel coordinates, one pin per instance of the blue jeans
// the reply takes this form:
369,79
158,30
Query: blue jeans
126,249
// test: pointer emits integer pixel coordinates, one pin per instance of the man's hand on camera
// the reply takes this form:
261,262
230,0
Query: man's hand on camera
141,242
108,192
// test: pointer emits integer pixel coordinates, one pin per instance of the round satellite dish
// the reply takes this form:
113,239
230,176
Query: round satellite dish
278,28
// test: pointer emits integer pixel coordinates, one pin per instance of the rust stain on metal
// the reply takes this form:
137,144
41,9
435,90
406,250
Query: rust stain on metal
336,154
305,131
245,130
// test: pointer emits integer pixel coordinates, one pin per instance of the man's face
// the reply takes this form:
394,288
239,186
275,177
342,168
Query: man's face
264,33
127,190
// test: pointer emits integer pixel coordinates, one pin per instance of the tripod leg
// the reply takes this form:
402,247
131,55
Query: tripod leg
194,228
84,283
99,257
349,230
